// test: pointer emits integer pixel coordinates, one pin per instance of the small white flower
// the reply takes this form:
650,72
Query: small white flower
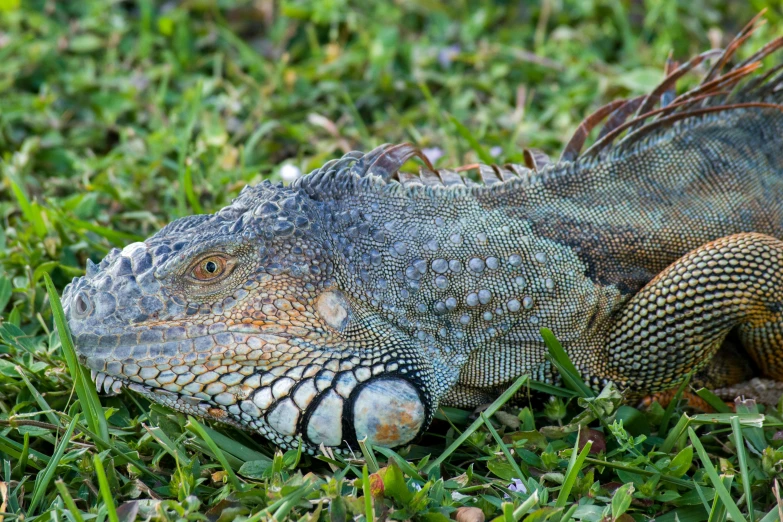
495,151
518,486
447,55
290,173
433,153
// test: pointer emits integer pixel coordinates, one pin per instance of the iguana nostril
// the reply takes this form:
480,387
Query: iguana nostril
82,305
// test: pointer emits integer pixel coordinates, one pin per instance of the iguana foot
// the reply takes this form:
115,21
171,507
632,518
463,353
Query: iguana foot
764,391
665,398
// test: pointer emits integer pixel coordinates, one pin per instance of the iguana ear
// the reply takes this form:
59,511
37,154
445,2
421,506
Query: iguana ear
334,310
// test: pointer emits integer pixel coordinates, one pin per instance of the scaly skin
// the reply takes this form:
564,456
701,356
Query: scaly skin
354,302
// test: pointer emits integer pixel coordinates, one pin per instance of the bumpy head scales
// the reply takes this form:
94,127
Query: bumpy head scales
239,316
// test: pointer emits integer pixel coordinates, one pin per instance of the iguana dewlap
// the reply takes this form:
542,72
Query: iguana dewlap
354,302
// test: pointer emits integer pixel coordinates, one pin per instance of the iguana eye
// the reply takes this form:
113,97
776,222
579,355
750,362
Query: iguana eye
211,268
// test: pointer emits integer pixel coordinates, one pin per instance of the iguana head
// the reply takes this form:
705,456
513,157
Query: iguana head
246,316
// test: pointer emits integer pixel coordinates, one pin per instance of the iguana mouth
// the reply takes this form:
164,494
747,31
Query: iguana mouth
109,384
113,385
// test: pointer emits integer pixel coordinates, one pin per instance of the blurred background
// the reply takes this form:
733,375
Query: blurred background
118,116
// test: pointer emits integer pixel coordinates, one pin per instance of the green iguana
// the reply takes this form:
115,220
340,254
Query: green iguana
355,301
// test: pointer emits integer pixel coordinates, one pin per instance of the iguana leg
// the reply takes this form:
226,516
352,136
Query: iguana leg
763,339
728,367
764,391
729,375
677,323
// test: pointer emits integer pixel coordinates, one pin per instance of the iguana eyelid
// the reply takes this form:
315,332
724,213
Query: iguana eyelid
182,263
198,273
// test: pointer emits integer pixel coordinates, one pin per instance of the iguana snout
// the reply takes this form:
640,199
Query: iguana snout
239,316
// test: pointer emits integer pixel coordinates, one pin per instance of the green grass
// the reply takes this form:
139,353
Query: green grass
117,117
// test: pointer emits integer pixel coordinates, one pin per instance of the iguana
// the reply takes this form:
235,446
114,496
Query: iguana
353,302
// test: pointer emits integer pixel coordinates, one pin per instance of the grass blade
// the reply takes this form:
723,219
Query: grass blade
291,501
22,466
186,191
38,398
15,450
167,444
773,515
563,364
234,447
640,471
48,473
749,420
283,505
503,447
718,510
103,486
194,427
713,400
190,192
115,236
122,456
550,389
742,457
495,406
357,118
753,433
675,433
569,513
68,501
574,465
369,456
667,414
88,396
30,211
468,136
401,462
717,483
526,506
368,510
